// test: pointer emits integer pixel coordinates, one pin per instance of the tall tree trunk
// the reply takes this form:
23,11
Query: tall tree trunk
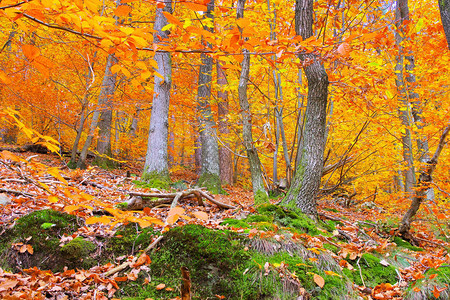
106,92
306,182
444,8
225,159
105,121
402,14
259,191
156,165
210,167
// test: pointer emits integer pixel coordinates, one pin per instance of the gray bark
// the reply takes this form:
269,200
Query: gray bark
259,192
210,167
156,159
444,8
225,159
106,92
402,14
306,182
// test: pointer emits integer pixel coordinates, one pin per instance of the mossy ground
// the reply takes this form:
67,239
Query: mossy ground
129,239
371,270
402,243
45,227
220,264
433,278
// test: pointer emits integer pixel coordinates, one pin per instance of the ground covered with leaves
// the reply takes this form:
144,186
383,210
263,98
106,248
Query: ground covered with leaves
70,234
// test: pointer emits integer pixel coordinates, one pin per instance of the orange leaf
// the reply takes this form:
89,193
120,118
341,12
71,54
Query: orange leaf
71,208
432,276
176,211
344,49
143,259
201,215
172,19
23,249
119,279
102,219
172,219
416,289
195,6
30,249
319,280
160,286
122,11
30,51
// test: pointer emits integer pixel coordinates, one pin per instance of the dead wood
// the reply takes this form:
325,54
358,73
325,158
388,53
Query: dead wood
25,194
186,284
197,193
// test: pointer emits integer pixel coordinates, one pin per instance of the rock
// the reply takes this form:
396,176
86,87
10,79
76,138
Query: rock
4,200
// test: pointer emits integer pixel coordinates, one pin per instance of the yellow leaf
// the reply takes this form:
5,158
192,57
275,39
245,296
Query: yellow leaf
92,5
201,215
55,173
8,155
30,52
53,199
122,10
102,219
319,280
332,273
71,208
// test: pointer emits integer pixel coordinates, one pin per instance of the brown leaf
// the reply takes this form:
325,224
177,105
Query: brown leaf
160,286
319,280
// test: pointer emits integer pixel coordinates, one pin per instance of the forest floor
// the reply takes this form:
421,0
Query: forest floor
43,181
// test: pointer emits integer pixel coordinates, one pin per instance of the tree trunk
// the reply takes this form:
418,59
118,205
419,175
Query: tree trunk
444,8
225,159
401,15
306,182
106,92
210,167
105,121
259,192
156,165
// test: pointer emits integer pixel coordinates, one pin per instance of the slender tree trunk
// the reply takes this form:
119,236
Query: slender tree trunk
402,14
259,191
444,8
106,92
105,120
225,159
306,182
156,165
210,170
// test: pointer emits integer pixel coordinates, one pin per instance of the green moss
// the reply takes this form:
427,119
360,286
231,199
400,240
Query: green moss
292,218
129,239
76,251
331,247
211,182
258,218
154,180
122,205
105,163
372,271
179,185
235,223
44,240
402,243
72,164
427,285
261,197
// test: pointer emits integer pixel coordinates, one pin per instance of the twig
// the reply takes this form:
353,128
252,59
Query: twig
25,194
175,200
360,272
129,263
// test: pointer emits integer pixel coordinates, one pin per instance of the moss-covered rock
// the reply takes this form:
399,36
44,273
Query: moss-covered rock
129,239
372,271
423,288
77,253
45,227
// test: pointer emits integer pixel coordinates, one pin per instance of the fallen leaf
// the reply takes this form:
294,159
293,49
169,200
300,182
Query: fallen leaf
319,280
160,286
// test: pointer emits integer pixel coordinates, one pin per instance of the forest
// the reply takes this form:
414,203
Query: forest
224,149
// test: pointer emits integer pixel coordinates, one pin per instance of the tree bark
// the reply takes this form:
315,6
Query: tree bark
156,164
225,159
210,167
106,92
444,8
306,182
259,191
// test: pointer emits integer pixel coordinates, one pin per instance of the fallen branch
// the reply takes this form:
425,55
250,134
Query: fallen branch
17,193
198,193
